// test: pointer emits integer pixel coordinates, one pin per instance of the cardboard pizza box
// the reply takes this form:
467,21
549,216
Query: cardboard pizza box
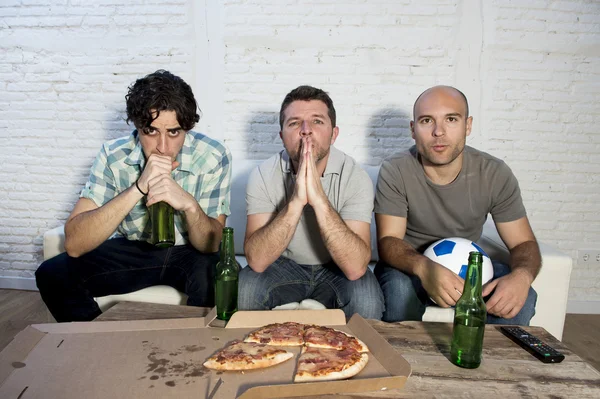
163,359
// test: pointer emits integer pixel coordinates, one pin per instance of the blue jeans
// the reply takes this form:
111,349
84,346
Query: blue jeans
118,266
286,281
406,299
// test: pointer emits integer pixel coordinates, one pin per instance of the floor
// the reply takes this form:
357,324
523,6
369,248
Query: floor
18,309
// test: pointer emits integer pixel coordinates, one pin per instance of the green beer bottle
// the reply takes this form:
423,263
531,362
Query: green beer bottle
226,279
163,225
469,318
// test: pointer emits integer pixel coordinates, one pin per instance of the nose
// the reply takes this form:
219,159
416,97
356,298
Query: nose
305,128
162,144
438,130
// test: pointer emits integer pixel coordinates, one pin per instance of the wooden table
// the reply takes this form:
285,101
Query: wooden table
506,371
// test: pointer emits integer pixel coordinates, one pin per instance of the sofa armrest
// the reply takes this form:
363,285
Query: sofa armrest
54,242
551,284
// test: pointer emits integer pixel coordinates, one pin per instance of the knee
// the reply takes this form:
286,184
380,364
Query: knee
393,282
252,290
366,297
52,273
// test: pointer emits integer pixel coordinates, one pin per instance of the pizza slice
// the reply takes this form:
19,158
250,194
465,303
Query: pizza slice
318,364
240,355
325,337
278,334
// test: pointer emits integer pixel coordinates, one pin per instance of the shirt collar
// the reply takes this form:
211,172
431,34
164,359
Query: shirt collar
136,156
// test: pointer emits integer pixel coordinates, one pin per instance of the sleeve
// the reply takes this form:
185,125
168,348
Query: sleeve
217,188
101,186
507,204
257,198
358,204
390,193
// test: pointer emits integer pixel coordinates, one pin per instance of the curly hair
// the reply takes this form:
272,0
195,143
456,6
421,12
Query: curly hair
307,93
161,91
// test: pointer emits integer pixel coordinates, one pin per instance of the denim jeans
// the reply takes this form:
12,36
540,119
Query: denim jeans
118,266
286,281
406,299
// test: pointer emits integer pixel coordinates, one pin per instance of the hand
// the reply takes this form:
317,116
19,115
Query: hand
156,165
300,187
442,284
314,189
510,294
164,188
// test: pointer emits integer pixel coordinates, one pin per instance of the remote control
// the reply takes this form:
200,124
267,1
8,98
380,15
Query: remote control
533,345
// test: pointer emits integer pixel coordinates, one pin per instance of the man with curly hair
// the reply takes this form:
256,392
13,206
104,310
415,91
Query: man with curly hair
108,234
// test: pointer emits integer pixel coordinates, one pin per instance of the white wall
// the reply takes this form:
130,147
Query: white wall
531,73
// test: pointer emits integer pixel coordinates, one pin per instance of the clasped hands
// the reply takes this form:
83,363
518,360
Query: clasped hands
157,181
308,188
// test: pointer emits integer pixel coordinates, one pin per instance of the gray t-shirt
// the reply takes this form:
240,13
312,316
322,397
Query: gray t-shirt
484,185
346,184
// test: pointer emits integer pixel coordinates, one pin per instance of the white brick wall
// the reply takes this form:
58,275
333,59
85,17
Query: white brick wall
531,73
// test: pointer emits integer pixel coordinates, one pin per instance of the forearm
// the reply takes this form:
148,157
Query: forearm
526,258
399,254
87,230
204,232
348,250
266,244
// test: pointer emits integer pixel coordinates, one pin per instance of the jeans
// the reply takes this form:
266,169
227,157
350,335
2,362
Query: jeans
406,299
118,266
286,281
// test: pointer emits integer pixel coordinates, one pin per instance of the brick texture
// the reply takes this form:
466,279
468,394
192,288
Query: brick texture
531,71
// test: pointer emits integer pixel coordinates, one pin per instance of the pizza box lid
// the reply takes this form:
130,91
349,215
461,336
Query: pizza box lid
163,358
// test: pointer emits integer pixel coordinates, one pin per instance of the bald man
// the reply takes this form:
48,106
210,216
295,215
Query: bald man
442,188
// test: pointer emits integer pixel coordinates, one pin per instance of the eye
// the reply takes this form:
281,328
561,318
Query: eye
149,130
452,119
293,123
174,133
318,122
425,120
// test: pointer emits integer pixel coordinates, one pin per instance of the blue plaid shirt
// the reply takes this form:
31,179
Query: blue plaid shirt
204,171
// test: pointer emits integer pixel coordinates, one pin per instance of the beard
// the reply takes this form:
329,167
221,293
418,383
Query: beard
319,153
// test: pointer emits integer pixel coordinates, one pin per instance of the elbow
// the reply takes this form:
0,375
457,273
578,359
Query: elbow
255,264
72,251
355,274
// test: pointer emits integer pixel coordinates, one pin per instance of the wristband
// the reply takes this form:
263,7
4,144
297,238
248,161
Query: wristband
139,189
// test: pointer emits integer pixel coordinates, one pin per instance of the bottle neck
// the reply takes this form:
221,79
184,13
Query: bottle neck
227,249
473,286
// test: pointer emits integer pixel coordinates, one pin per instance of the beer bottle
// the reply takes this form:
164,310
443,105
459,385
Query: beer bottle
469,318
163,224
226,279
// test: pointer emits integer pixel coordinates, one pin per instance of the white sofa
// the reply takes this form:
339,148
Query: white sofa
552,284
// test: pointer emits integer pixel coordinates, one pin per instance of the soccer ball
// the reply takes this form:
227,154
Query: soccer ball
453,253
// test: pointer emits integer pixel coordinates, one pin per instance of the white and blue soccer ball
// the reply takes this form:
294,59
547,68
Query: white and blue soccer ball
453,253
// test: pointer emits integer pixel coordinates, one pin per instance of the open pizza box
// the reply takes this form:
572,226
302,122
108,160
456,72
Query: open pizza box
163,359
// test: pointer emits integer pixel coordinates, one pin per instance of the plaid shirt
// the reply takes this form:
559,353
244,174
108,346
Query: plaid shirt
204,171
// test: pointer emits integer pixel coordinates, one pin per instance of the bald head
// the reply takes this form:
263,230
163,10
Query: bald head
447,90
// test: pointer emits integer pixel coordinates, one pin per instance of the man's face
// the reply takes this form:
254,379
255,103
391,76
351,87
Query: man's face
164,136
307,119
440,128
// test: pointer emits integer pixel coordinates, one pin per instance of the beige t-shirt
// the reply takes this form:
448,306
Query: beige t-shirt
347,185
484,185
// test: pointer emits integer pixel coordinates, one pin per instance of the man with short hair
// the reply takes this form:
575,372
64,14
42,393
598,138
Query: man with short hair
441,188
108,234
309,212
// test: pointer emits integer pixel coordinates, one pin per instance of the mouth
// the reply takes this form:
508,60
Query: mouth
439,147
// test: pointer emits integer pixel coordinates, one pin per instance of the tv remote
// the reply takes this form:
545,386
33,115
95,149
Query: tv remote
533,345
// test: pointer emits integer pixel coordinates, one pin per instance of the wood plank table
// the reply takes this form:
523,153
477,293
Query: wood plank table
507,371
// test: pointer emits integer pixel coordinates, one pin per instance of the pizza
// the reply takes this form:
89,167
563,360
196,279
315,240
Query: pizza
318,364
279,334
240,355
327,354
325,337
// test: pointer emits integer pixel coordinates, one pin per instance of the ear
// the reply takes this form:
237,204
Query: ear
280,135
334,134
469,125
412,129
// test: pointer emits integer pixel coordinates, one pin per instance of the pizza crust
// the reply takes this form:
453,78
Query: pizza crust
360,345
303,374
